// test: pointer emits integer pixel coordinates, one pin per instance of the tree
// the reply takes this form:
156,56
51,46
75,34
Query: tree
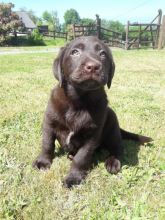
9,21
87,21
71,16
113,25
51,18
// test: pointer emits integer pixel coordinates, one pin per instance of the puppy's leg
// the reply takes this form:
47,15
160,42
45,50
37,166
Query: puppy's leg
112,140
80,164
44,160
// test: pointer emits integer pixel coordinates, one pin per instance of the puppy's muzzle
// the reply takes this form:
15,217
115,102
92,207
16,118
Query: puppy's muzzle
92,67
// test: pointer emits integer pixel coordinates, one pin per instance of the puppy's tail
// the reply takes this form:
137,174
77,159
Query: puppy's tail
135,137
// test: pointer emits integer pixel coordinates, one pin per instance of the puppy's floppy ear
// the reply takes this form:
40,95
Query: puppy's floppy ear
111,71
57,66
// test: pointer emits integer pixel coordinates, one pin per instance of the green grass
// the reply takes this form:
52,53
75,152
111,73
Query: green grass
33,48
57,41
24,43
27,48
136,193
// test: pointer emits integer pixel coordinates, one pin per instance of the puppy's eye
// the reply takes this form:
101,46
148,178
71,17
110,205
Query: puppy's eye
102,54
75,52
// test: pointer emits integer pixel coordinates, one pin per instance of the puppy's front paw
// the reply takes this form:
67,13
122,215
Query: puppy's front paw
42,162
74,178
113,165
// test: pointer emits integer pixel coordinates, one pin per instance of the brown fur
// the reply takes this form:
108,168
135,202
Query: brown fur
78,115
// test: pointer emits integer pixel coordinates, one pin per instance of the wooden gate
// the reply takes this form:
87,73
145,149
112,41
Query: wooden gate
139,35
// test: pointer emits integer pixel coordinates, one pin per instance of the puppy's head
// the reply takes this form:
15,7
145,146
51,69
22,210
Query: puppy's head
86,63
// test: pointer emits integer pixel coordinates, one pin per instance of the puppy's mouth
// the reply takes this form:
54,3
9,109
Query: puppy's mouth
88,82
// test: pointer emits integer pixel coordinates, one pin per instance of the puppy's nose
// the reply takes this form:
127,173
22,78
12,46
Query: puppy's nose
92,67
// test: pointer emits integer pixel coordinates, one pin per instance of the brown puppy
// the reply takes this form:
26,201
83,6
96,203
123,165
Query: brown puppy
78,115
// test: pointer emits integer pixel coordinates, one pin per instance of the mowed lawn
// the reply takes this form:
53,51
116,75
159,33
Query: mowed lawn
137,192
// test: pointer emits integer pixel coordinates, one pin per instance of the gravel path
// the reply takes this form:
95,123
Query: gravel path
21,51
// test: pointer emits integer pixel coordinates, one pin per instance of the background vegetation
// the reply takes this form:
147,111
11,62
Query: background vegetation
136,193
10,22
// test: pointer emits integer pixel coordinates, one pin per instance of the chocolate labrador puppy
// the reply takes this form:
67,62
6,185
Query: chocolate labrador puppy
78,115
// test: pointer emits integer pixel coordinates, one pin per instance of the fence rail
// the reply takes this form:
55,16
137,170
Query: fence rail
56,34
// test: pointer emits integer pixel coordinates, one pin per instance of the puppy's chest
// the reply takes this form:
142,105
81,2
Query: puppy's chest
77,120
74,126
80,127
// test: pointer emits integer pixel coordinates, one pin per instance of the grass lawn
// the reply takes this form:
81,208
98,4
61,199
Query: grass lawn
137,192
26,48
49,43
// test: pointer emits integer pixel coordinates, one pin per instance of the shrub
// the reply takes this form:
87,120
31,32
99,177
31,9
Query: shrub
35,38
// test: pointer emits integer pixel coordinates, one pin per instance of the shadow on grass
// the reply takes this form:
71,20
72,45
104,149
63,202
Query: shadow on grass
131,150
130,156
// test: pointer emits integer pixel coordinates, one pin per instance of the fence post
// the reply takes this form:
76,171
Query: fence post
74,35
161,42
98,26
66,36
152,38
126,36
158,27
139,40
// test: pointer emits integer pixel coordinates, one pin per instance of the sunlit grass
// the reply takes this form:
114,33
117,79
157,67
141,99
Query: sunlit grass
138,97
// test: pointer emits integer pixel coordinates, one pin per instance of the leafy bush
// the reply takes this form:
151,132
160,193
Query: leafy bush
35,38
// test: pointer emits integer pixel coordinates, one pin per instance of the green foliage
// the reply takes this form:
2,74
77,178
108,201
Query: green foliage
87,21
145,36
113,25
63,27
51,19
39,22
35,38
9,22
47,16
71,16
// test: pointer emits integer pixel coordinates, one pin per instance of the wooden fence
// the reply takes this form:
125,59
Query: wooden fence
137,35
112,38
43,29
84,30
56,34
